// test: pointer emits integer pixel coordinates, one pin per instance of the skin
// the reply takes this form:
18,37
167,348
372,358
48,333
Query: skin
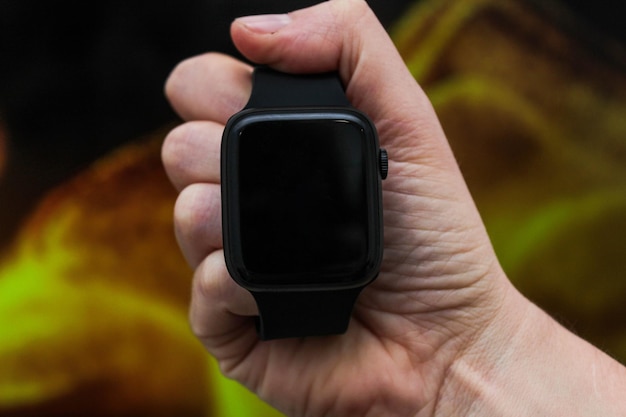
441,331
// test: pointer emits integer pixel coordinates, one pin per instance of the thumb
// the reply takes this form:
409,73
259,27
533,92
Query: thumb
346,36
317,39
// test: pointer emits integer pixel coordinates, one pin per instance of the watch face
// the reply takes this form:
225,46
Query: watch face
301,199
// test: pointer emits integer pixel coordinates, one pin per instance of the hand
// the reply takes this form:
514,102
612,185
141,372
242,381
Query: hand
440,321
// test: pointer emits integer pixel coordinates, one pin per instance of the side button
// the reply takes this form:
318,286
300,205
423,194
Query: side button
383,161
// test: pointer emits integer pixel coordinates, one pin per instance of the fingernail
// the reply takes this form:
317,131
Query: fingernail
265,23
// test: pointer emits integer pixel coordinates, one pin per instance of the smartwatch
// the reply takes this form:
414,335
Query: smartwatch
301,173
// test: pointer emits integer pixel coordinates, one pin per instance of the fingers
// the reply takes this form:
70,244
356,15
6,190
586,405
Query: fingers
209,87
220,309
198,221
191,153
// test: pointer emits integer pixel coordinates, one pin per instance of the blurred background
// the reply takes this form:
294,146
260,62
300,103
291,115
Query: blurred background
93,289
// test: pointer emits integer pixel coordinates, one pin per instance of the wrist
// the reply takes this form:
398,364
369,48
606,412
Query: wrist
525,363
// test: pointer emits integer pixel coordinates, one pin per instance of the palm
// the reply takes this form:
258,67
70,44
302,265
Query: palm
390,350
346,374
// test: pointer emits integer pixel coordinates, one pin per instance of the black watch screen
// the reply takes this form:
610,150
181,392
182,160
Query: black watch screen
301,198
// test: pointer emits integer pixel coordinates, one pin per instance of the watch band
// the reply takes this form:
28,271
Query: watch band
295,313
276,89
301,313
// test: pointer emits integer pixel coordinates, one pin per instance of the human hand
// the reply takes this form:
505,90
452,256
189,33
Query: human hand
441,306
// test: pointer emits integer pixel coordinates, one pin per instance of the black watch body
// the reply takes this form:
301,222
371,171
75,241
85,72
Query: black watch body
301,173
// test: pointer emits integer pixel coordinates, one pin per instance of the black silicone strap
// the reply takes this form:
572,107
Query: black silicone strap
303,313
276,89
